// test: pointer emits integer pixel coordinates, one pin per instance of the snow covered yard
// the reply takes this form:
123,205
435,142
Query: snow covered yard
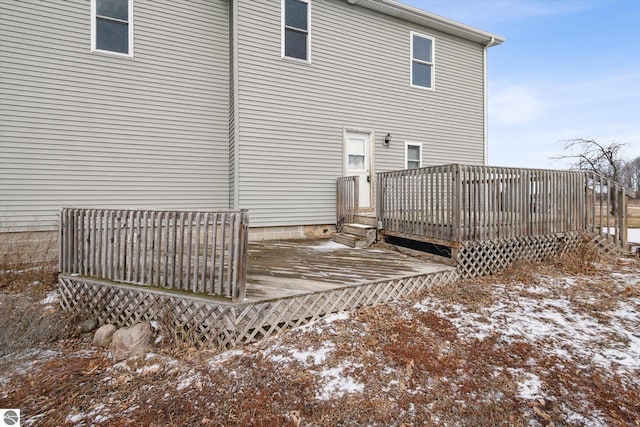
537,345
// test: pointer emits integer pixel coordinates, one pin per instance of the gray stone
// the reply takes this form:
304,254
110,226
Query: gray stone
133,341
88,326
103,335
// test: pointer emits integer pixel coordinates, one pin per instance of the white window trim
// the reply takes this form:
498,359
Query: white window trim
129,27
432,63
282,31
406,153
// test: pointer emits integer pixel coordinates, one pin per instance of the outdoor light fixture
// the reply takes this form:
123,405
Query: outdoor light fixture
387,140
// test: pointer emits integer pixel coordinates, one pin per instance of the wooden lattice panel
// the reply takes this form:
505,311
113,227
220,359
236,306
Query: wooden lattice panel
197,321
479,258
206,323
269,318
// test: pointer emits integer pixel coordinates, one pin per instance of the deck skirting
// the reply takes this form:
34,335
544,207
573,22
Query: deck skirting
483,257
214,323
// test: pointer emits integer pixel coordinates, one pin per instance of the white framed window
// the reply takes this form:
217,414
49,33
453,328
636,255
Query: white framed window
112,26
422,61
296,29
413,155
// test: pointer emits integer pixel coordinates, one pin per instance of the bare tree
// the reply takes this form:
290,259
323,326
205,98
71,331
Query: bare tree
631,174
606,160
588,154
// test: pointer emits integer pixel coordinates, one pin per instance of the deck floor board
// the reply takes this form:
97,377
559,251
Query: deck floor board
286,268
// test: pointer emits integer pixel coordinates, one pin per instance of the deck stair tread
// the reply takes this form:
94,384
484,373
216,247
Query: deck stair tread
357,235
350,240
365,219
361,225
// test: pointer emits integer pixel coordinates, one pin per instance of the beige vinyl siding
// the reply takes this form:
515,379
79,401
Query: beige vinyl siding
292,114
92,129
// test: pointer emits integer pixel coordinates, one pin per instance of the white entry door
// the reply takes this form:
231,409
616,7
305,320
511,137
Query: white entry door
357,162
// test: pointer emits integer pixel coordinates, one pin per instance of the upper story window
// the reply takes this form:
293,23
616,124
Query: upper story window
422,61
296,37
413,155
111,26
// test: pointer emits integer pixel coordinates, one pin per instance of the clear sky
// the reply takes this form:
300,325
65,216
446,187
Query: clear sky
568,69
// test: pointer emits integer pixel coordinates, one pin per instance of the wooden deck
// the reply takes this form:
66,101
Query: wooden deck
289,283
287,268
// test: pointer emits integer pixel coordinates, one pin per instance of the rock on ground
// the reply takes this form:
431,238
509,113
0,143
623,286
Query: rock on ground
88,326
103,335
133,341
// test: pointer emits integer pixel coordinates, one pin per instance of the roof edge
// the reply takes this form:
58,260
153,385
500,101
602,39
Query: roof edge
437,22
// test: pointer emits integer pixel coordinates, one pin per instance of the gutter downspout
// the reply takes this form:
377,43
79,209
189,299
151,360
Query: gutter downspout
491,42
235,200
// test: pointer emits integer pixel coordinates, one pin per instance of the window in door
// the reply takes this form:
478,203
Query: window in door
356,154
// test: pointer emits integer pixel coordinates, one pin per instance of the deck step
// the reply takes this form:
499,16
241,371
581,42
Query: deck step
365,219
350,240
357,235
368,232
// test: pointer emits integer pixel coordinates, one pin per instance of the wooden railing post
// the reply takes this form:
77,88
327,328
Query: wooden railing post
457,204
240,292
62,243
380,191
356,198
347,200
622,216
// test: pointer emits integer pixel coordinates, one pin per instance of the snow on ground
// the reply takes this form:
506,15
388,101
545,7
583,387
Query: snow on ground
51,298
224,356
581,322
336,382
529,387
23,361
96,414
548,316
576,319
328,246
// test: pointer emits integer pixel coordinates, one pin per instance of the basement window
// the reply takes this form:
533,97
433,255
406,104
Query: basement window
112,27
296,36
422,61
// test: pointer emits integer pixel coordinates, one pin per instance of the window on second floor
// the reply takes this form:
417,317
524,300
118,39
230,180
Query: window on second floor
296,29
111,26
422,61
413,155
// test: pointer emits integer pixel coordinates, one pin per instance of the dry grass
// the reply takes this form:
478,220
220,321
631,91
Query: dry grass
27,258
416,367
26,323
583,259
23,285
